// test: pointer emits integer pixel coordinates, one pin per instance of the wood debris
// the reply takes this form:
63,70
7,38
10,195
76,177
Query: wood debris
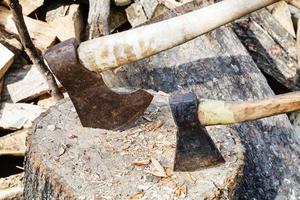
282,13
270,45
66,21
180,191
140,162
30,5
156,169
10,41
137,196
189,177
19,115
14,143
11,193
24,84
42,34
122,2
7,58
136,14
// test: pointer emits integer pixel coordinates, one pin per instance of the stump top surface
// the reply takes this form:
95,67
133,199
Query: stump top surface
98,164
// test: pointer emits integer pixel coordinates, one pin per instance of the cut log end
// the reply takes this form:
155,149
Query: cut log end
66,160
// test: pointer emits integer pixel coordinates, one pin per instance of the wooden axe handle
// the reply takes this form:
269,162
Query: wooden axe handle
212,112
111,51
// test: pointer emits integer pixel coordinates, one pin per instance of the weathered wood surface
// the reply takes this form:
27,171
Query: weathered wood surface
66,160
98,24
272,48
218,66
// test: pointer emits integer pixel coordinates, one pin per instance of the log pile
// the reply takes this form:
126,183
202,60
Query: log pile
250,58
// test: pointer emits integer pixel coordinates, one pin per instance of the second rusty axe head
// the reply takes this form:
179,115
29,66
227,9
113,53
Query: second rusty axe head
194,147
96,104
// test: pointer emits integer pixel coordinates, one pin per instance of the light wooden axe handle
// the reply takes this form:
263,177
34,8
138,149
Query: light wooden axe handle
111,51
211,112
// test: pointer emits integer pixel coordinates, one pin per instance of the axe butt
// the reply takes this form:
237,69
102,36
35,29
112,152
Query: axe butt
211,112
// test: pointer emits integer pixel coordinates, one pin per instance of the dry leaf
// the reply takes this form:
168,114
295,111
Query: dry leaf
189,177
137,196
180,191
140,162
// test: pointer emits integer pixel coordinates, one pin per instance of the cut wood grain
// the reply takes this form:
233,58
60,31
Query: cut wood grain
41,33
6,60
30,5
282,13
66,20
24,84
19,115
13,144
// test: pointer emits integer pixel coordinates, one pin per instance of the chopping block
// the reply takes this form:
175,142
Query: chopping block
66,160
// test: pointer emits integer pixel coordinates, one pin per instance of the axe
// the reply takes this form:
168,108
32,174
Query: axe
195,149
96,104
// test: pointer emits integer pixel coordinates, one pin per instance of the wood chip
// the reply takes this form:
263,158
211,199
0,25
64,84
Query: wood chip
180,192
189,177
155,125
140,162
137,196
156,169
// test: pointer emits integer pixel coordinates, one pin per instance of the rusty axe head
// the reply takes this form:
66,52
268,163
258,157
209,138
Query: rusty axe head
194,148
96,104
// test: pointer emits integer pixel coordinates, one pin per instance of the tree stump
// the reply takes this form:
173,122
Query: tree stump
67,161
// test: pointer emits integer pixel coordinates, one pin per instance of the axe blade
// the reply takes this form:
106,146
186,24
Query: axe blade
96,104
194,148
